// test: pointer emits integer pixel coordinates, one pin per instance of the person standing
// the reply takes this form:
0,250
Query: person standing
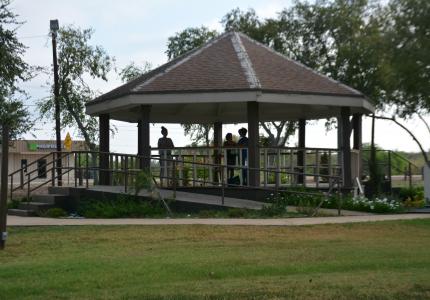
231,154
164,146
243,142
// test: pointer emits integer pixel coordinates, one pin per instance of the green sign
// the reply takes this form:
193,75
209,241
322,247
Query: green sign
32,146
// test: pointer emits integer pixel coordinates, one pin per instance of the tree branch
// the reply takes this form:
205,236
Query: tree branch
425,122
410,133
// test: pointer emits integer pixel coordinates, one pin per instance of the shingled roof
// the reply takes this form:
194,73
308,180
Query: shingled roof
232,62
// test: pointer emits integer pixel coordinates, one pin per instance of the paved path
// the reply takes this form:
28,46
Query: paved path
34,221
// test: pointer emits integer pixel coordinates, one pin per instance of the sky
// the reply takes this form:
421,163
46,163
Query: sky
137,31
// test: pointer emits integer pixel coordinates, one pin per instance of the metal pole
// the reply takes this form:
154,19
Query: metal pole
389,171
410,175
222,184
3,192
54,28
87,172
174,179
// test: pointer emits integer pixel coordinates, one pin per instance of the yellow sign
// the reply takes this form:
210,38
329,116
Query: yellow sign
68,142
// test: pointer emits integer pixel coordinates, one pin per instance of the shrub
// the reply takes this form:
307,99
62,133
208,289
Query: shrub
55,212
208,213
277,205
13,204
377,205
124,206
307,201
237,212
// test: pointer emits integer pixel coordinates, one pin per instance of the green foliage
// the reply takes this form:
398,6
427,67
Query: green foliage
407,44
412,197
188,40
55,213
12,65
411,192
123,206
277,205
13,204
307,200
132,71
78,60
13,70
15,116
207,214
143,181
237,212
199,133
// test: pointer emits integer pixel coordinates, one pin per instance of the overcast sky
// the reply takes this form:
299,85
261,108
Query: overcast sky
132,30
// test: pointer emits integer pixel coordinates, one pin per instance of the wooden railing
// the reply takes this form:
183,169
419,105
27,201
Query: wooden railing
207,167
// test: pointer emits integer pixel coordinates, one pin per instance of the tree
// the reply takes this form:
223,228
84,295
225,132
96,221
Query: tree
132,71
407,47
187,40
77,61
14,118
199,133
13,70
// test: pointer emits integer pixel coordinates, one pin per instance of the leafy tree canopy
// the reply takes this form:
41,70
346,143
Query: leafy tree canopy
132,71
187,40
13,70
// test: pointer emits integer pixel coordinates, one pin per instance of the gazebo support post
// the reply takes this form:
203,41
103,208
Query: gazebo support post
217,143
104,149
253,149
301,153
357,131
346,148
143,138
357,125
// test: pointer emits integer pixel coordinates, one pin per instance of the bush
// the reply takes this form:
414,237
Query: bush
208,214
277,205
13,204
237,212
412,197
306,202
377,205
55,213
123,206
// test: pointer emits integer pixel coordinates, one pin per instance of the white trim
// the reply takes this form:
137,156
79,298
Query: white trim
245,62
155,99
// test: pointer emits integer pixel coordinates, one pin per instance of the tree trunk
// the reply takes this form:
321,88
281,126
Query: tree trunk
3,187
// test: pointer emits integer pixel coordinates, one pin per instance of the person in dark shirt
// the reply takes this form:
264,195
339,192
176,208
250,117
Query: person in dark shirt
231,154
243,142
164,146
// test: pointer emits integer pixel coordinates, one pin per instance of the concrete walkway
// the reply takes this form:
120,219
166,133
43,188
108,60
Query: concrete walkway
34,221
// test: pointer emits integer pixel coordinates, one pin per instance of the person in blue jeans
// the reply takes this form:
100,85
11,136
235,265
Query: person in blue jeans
243,142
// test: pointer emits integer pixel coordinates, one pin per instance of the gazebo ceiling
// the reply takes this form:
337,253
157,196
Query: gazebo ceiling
214,82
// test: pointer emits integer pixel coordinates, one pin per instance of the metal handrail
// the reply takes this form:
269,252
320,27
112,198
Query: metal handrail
333,179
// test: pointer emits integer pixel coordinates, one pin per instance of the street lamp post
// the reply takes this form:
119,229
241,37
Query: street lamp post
54,26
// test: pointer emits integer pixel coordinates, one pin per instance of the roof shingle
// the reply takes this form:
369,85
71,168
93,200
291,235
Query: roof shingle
233,61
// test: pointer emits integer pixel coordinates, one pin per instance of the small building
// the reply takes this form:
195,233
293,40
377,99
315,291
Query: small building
36,154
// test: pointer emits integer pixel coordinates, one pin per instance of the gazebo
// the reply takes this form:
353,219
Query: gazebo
233,79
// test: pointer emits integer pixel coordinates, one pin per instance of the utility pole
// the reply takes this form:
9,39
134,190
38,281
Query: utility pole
54,26
3,184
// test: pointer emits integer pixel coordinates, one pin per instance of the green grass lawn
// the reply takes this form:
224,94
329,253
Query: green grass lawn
384,260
